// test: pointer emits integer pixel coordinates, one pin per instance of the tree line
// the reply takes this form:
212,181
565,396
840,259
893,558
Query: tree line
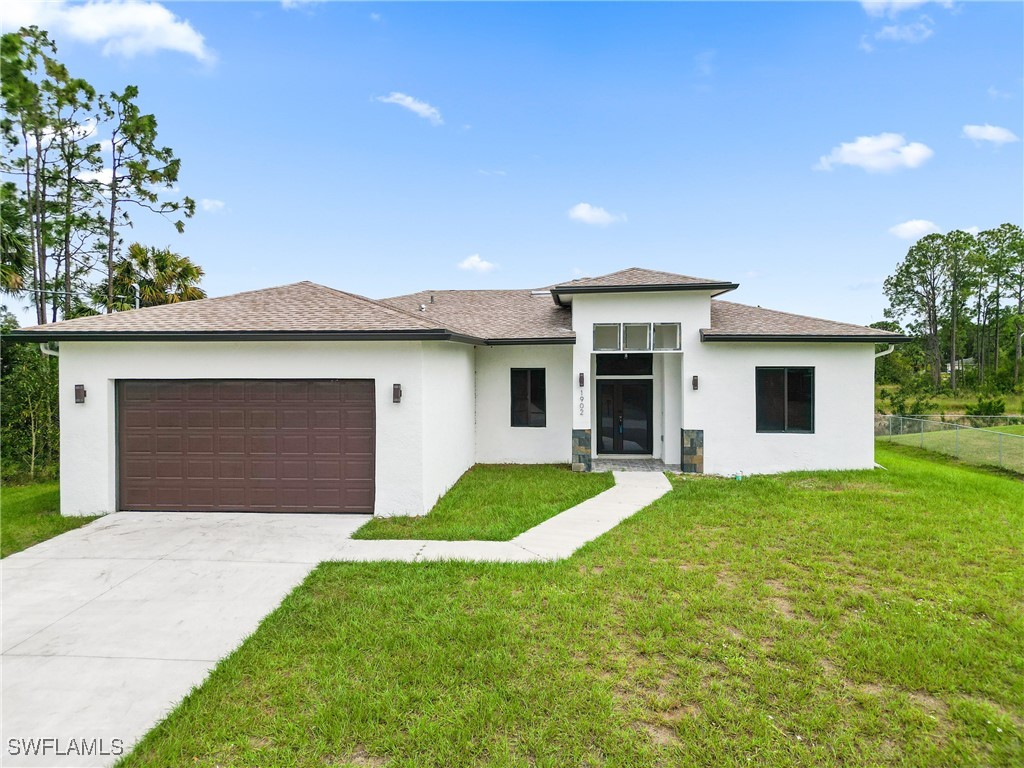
962,296
78,166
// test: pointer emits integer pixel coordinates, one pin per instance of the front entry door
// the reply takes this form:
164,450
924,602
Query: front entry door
625,415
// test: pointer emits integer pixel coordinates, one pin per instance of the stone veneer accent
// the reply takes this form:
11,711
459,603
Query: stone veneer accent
581,453
693,451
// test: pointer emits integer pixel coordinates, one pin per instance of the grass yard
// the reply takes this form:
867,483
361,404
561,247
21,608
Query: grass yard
986,446
949,403
494,502
30,514
810,619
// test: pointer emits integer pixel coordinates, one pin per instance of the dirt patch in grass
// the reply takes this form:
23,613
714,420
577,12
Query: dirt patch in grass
661,735
727,580
360,757
682,712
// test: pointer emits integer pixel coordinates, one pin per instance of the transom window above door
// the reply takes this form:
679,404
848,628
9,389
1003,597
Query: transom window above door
636,337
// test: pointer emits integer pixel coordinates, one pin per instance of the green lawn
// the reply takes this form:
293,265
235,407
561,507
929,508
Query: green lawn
810,619
30,514
949,403
495,502
975,446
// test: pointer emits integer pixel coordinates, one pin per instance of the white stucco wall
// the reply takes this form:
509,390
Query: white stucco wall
449,437
88,431
724,406
691,309
498,442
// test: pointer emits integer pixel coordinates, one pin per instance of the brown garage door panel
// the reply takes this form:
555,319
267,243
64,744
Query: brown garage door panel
245,445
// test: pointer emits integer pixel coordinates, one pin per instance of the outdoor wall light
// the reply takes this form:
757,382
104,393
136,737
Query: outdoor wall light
693,383
79,393
581,379
396,393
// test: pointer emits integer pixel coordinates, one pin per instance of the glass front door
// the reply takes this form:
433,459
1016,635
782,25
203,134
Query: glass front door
625,416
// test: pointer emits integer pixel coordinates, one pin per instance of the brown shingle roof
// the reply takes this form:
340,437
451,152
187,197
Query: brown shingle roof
730,321
307,309
297,308
493,315
636,277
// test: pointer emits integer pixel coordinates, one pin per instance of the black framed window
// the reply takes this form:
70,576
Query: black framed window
625,365
529,397
785,399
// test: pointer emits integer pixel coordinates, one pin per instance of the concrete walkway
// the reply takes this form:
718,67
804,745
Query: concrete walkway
106,628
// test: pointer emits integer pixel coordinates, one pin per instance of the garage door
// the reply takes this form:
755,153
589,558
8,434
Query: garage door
253,446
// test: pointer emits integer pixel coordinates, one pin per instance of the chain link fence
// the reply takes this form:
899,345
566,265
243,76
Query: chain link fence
999,444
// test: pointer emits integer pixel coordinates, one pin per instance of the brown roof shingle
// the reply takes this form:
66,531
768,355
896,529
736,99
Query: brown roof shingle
297,308
494,315
739,321
308,309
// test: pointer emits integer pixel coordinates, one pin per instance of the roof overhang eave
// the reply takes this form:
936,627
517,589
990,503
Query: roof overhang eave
255,335
710,336
532,340
716,289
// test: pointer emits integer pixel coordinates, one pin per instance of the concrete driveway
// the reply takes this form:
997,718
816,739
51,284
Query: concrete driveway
107,627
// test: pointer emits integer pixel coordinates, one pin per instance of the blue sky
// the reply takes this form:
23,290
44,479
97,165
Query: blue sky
376,147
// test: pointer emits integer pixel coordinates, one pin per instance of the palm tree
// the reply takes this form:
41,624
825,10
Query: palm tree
152,276
15,255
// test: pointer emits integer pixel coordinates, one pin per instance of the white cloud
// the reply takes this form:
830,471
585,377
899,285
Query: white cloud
893,8
884,152
995,93
866,284
420,108
210,205
704,63
291,5
475,264
913,229
865,44
123,27
485,172
990,133
917,32
973,230
102,176
592,214
375,17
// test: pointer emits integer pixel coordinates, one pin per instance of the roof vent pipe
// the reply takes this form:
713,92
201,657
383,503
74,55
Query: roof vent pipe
423,307
431,298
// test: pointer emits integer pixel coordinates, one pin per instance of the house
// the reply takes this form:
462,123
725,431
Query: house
305,398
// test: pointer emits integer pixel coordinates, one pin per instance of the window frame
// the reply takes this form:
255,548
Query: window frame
654,337
786,429
530,416
618,337
649,334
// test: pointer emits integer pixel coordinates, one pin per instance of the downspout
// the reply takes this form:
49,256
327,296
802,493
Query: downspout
885,352
45,349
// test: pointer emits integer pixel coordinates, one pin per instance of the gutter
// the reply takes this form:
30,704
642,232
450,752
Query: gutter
885,352
45,349
710,336
410,335
44,337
